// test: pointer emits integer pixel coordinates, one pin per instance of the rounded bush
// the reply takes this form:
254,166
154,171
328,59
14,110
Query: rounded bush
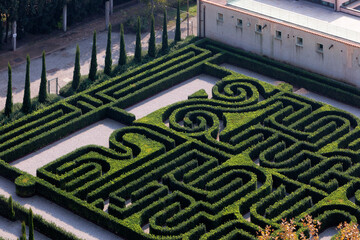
25,186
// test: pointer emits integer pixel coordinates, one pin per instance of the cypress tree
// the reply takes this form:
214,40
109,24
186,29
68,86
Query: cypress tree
108,60
152,44
123,57
31,225
93,64
165,43
26,107
11,208
177,29
138,42
9,102
23,231
43,82
77,75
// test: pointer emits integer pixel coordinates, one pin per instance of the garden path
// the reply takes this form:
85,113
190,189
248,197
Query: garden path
51,212
12,230
301,91
60,64
87,230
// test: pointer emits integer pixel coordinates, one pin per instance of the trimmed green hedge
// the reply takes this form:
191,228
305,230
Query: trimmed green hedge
49,229
197,169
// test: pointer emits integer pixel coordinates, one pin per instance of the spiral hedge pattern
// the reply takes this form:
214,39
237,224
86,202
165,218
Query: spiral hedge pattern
203,168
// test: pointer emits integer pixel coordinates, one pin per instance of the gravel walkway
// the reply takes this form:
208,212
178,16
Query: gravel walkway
60,216
172,95
60,64
301,91
328,233
97,133
12,230
100,132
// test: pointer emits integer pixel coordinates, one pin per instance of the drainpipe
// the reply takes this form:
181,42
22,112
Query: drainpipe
336,6
199,17
204,21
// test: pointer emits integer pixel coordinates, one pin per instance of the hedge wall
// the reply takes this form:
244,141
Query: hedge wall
217,165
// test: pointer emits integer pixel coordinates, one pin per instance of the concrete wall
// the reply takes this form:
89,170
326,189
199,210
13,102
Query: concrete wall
338,4
339,60
350,11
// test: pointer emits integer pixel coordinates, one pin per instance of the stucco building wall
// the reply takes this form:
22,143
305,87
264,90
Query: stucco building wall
338,59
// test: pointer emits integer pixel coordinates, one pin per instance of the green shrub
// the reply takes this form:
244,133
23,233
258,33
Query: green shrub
26,107
25,186
138,48
43,82
9,101
77,75
108,58
122,54
93,62
152,43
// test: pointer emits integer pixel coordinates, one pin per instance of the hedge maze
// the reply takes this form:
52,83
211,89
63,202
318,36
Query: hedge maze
202,168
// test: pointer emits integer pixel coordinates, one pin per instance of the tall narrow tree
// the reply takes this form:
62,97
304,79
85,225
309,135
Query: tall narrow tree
11,208
177,29
93,63
122,57
9,102
138,42
108,59
26,107
152,44
165,43
31,225
43,82
23,231
76,77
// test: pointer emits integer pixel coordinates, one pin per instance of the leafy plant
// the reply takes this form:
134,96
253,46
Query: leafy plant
43,83
123,56
93,63
165,43
26,107
108,58
9,102
152,43
77,75
138,48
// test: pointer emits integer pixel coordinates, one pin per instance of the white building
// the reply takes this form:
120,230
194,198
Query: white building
301,33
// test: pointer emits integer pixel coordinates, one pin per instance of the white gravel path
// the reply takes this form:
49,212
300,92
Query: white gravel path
56,214
328,233
172,95
97,133
301,91
60,64
12,230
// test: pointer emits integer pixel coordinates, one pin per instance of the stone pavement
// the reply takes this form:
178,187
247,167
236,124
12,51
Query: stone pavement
61,54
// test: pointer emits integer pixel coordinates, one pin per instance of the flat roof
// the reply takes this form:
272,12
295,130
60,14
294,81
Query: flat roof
305,14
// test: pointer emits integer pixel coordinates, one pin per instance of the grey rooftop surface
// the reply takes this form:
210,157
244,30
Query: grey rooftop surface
305,14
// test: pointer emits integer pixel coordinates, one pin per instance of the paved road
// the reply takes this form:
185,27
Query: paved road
60,64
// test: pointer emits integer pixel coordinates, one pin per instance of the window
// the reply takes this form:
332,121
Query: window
258,28
278,35
299,41
220,17
319,47
239,23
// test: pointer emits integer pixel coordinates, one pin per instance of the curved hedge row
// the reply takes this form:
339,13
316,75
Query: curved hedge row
210,167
